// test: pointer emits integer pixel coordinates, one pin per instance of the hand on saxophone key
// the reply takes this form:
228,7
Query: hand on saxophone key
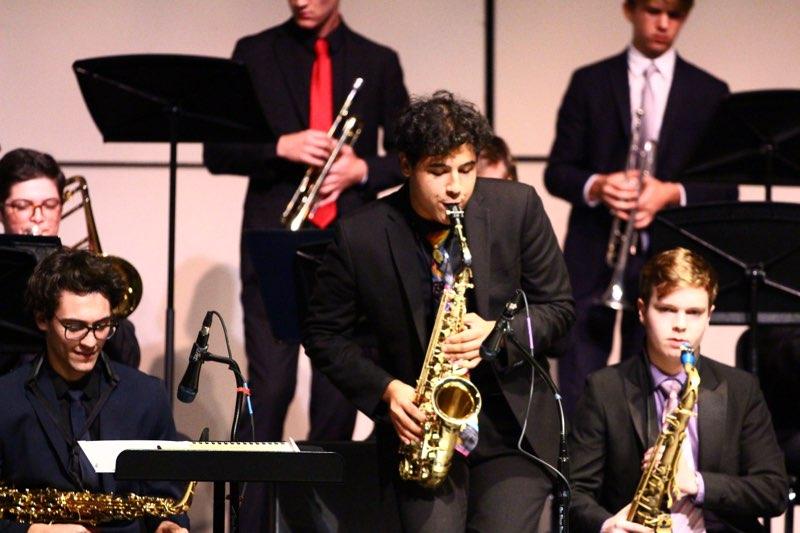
405,415
463,348
619,523
309,147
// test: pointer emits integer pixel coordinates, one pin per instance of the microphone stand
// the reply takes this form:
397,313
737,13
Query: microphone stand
562,495
233,496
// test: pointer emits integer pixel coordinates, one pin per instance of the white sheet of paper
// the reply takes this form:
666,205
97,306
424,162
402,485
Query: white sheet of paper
103,453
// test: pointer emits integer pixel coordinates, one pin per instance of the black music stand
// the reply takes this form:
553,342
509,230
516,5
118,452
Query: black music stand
754,138
755,249
309,465
273,253
19,255
171,98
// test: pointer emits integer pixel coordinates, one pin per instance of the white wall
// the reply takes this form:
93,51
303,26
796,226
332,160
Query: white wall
750,44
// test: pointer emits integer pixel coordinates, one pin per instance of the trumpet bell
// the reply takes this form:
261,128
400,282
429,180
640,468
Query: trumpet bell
614,297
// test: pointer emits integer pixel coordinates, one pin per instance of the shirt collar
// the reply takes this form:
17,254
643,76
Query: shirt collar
307,37
89,384
660,377
638,62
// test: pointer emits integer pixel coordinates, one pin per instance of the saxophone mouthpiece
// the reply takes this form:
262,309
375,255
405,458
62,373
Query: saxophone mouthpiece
687,354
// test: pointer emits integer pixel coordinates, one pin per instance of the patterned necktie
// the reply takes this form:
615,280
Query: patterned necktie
649,118
80,431
320,114
441,268
686,516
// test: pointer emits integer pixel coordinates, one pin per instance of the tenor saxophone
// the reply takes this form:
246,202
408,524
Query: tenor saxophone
83,507
444,394
657,491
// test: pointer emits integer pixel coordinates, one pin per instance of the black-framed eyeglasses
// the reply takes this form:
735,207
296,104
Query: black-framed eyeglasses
28,207
76,330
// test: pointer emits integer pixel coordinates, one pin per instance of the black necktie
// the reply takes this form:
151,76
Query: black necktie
80,430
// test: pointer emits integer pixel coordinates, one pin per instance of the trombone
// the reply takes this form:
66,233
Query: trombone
131,280
304,200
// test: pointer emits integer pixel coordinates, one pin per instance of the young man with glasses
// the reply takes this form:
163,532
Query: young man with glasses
31,192
73,392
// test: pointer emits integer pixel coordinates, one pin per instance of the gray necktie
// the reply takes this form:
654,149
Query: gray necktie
649,117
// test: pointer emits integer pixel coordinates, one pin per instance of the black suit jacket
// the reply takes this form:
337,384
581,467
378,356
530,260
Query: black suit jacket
371,271
35,454
274,58
592,136
615,422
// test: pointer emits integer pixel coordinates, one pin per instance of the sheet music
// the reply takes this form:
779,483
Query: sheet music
103,454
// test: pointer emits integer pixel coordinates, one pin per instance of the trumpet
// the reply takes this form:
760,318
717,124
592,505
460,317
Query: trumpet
304,200
132,281
624,241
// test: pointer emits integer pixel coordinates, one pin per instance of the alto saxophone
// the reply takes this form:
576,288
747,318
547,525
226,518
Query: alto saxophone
445,395
51,506
656,491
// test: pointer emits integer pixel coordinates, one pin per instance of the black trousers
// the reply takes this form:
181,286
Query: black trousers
588,345
272,377
503,493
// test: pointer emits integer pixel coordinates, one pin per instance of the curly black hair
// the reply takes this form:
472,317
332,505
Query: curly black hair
25,164
77,271
438,124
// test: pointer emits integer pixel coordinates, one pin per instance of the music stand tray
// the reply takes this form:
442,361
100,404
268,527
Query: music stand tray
19,255
755,249
171,98
309,465
754,137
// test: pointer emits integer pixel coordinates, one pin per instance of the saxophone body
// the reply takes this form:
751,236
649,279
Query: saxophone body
53,506
444,394
656,491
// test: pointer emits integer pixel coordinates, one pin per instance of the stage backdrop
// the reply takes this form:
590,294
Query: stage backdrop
752,45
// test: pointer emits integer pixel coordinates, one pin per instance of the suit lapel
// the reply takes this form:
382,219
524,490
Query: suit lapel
477,230
618,77
675,103
402,247
288,56
711,417
636,396
46,413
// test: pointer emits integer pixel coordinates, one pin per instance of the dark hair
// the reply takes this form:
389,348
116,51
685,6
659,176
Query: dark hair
497,151
77,271
676,268
684,6
438,124
24,164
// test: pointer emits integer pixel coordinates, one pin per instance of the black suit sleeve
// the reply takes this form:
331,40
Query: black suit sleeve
587,449
760,487
328,331
544,279
568,166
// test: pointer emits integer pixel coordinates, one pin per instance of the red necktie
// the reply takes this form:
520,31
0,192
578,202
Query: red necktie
320,114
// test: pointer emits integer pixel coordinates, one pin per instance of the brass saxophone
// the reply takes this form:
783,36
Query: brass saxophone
656,491
444,394
51,506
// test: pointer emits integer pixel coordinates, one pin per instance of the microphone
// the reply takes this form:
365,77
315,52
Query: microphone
491,346
187,390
